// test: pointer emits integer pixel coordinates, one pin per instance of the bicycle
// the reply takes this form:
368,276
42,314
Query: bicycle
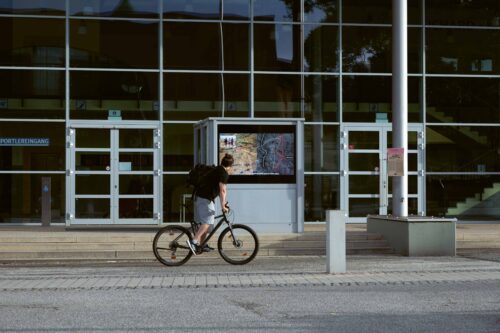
238,244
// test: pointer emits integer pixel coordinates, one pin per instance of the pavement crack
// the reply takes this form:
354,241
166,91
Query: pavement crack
249,306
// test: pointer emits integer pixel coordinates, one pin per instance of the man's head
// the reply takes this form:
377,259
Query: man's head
227,161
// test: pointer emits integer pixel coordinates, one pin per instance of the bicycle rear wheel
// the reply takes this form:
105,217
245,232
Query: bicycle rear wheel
239,246
169,245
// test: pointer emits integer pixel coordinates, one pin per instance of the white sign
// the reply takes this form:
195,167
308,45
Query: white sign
19,142
114,115
395,166
125,166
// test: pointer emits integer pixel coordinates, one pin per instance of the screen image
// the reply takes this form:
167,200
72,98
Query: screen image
260,151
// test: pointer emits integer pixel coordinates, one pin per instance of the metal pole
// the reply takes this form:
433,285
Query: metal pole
251,97
400,103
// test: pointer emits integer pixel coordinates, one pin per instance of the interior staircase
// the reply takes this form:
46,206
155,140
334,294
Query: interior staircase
467,131
475,201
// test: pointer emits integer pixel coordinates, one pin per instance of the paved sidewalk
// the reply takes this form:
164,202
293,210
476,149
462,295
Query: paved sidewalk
269,272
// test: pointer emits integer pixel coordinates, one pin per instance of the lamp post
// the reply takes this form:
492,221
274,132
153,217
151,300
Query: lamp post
400,103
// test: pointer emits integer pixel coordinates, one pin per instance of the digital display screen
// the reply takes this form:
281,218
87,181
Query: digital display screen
261,153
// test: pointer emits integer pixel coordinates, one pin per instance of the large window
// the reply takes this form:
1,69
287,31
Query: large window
377,11
369,99
94,95
190,96
30,146
31,42
320,97
320,48
114,8
322,192
99,43
23,202
479,200
32,94
277,10
367,49
463,100
316,11
206,46
277,96
321,149
277,47
206,9
32,7
178,147
463,149
465,13
463,51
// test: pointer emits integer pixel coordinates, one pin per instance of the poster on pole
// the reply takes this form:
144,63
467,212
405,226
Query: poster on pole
395,166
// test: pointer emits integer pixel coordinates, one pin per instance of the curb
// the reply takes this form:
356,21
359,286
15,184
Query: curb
245,280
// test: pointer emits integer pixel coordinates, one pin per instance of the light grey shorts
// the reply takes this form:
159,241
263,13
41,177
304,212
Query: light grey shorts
204,211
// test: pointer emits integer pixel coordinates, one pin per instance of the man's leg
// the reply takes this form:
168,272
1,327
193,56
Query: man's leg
200,234
204,214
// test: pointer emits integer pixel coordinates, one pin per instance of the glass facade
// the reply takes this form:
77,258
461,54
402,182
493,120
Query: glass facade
175,62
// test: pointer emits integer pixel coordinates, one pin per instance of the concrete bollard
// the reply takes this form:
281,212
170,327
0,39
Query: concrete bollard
335,241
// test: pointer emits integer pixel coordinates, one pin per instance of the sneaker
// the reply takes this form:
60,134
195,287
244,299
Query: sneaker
193,247
207,248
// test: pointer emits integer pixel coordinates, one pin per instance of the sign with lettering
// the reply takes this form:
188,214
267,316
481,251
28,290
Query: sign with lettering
19,142
395,166
125,166
114,115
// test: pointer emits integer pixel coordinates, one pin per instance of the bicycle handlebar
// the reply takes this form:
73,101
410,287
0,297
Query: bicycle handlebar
228,208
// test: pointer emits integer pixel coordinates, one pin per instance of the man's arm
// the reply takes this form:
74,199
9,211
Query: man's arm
222,196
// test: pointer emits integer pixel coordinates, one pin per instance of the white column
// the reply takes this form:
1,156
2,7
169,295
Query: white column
400,102
335,241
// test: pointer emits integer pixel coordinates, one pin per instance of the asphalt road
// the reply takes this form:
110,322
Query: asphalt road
382,294
450,307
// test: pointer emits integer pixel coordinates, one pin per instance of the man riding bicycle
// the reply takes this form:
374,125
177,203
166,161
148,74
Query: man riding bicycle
213,186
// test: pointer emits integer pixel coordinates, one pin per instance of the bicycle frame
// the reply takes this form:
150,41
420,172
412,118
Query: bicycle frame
223,219
245,248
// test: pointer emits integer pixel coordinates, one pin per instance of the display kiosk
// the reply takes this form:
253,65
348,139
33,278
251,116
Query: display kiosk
266,185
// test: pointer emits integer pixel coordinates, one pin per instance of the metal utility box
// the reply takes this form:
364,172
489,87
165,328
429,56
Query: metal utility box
266,185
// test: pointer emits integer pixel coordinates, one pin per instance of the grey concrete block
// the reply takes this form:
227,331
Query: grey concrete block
416,236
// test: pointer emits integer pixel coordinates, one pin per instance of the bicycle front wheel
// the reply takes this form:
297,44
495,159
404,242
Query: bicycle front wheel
169,245
238,245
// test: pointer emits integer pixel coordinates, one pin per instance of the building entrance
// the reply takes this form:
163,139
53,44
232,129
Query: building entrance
365,185
113,175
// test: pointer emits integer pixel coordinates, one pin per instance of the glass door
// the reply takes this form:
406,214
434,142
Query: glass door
90,175
135,181
365,185
114,175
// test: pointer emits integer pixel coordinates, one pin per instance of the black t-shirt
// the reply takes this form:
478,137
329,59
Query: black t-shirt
209,188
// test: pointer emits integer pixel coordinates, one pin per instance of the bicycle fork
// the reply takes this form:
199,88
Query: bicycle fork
236,242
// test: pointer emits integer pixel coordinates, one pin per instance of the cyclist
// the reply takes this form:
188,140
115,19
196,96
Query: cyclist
213,186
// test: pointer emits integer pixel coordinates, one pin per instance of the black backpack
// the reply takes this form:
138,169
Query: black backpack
197,175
